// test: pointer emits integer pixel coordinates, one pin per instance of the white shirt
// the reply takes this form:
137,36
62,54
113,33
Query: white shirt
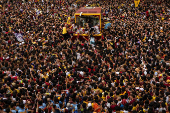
124,111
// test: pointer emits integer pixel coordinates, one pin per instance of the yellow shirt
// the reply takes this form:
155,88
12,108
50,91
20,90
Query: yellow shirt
103,98
84,93
17,90
85,102
134,108
45,76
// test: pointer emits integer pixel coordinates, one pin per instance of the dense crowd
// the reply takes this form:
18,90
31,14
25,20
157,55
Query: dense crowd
127,70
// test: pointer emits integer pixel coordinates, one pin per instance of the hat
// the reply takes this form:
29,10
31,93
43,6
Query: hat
68,104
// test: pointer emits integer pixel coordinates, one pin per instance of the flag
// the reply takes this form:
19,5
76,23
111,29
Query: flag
38,11
78,35
19,37
136,2
102,37
111,43
10,29
68,21
107,25
147,13
144,39
64,30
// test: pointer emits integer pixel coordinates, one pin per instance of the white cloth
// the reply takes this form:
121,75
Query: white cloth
97,29
141,89
89,104
82,73
78,56
108,105
67,73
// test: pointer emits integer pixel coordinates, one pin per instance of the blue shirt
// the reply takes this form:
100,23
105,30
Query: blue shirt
21,110
43,106
77,112
75,106
52,101
57,105
13,111
18,108
62,102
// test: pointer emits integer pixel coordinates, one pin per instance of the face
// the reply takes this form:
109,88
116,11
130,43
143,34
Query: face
30,107
29,102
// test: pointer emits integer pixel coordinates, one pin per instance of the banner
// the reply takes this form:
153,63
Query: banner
136,2
38,11
19,37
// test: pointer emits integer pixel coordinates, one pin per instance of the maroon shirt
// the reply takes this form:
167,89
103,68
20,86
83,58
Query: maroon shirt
132,101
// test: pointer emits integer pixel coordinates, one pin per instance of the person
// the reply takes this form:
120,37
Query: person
92,40
95,106
96,27
125,71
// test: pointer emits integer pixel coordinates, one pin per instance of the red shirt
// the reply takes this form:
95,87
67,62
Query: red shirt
113,107
89,69
128,93
168,78
47,83
167,85
15,77
132,101
82,77
1,58
108,97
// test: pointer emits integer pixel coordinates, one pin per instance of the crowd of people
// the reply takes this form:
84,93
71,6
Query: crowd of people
127,70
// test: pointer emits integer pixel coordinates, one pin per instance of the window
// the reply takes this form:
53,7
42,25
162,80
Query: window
90,19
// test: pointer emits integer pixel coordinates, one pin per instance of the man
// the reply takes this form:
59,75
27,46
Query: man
21,110
97,31
95,106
